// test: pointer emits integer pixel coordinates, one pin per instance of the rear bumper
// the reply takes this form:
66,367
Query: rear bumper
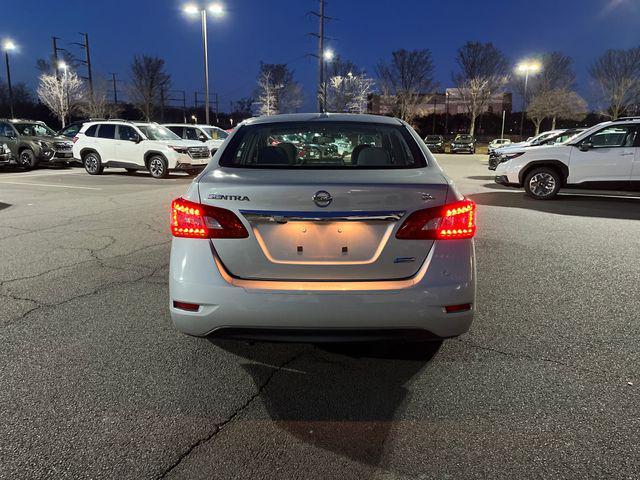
405,305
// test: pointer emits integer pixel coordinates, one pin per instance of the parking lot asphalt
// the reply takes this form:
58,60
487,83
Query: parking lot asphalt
95,382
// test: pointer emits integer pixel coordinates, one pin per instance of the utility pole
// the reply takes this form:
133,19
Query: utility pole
502,131
320,55
55,55
87,61
115,89
162,104
6,56
435,96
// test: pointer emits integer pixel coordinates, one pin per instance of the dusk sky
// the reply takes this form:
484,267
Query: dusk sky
276,32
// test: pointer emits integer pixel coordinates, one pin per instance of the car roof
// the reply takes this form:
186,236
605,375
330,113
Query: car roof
320,117
197,125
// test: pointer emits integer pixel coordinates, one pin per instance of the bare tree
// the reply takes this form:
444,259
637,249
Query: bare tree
100,105
148,80
266,94
407,78
361,88
243,106
539,109
556,104
277,90
483,73
62,95
349,93
617,76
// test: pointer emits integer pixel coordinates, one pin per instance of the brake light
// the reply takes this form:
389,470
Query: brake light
447,222
194,220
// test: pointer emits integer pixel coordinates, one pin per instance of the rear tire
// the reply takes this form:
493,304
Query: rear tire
93,163
27,159
542,183
158,167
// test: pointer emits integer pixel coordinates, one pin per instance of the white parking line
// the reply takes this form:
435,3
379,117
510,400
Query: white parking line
49,185
48,174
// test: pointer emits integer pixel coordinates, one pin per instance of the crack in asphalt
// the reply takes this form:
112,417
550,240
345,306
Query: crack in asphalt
218,427
100,260
39,305
522,355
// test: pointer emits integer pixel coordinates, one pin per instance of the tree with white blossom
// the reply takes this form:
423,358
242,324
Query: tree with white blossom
61,95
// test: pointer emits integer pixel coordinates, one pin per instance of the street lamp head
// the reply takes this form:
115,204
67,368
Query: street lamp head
328,55
191,9
62,65
8,45
528,67
216,9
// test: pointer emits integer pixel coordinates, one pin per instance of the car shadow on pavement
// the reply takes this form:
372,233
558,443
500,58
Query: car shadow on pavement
481,177
565,204
343,398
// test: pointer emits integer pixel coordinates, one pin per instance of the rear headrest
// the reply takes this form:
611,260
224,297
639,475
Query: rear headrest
291,151
372,156
356,151
272,156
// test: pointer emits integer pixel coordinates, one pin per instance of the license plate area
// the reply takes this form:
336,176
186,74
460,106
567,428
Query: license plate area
324,242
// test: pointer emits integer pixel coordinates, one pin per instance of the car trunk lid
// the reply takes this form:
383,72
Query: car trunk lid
322,224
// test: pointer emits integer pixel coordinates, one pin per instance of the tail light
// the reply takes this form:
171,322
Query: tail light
447,222
194,220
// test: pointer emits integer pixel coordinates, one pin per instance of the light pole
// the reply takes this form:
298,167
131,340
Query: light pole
217,10
64,67
446,112
9,45
526,68
327,56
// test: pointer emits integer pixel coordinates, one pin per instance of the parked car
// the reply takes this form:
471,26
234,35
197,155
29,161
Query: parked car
601,157
497,143
211,136
137,146
435,143
463,143
549,138
5,155
33,143
344,247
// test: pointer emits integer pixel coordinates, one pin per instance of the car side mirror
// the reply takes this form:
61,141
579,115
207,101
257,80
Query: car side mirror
584,146
135,139
202,138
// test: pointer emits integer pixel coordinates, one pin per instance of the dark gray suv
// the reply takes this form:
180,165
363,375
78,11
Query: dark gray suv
32,143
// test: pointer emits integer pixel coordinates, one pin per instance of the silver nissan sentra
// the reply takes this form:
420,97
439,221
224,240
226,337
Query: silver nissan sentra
323,226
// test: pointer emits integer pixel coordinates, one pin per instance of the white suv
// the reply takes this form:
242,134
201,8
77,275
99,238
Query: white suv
212,137
137,146
606,156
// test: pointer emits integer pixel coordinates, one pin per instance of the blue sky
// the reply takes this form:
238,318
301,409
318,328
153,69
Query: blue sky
276,31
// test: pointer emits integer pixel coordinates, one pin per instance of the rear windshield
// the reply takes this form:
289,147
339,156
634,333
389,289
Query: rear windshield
328,145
